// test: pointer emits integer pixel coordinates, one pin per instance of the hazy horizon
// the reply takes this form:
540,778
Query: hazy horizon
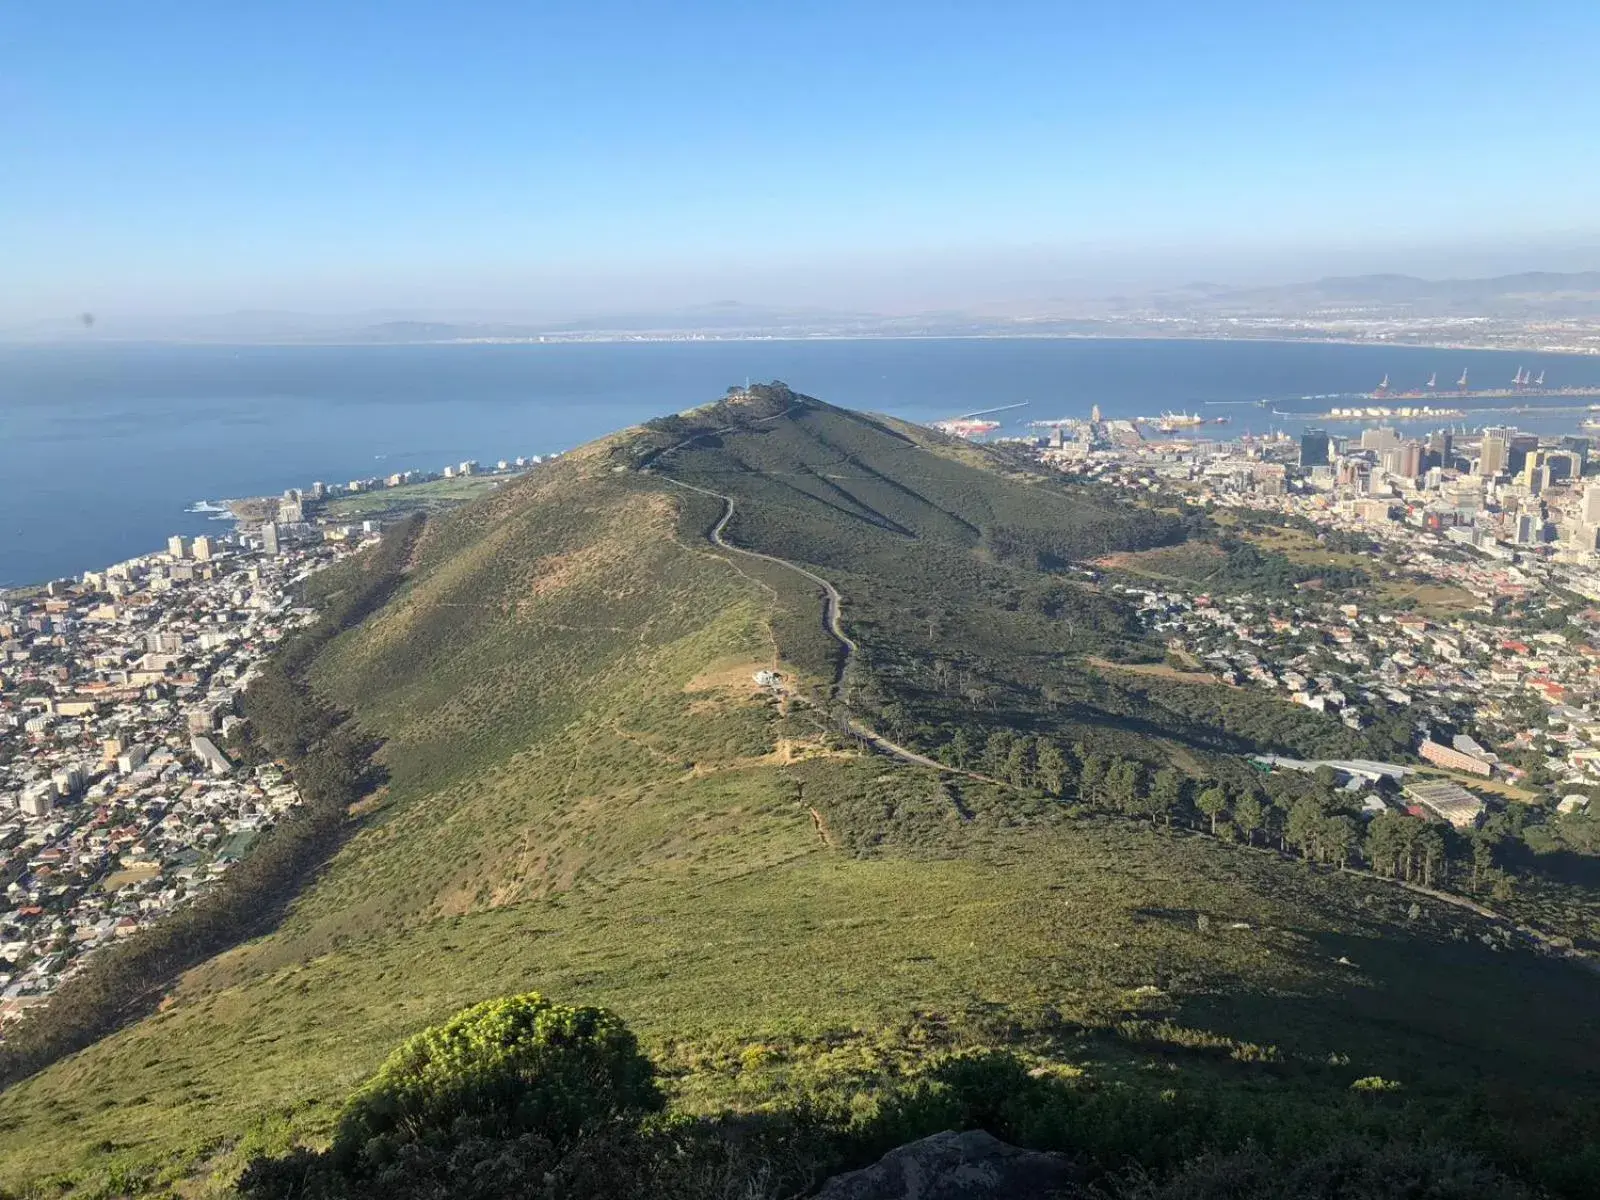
192,161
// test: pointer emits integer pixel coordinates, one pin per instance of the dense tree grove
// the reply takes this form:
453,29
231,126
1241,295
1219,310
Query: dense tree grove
1247,567
1299,814
1055,549
329,760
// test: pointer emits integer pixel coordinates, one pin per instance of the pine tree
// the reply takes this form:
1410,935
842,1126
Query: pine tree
1125,785
1049,768
1250,815
1166,795
1091,779
1213,802
958,750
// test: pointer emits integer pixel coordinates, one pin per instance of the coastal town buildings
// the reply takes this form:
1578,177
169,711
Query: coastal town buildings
118,800
1480,617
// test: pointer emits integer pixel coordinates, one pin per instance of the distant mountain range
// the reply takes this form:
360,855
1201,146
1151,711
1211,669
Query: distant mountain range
1528,297
1529,294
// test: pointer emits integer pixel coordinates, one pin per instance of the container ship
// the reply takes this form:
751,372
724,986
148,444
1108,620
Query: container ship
1177,422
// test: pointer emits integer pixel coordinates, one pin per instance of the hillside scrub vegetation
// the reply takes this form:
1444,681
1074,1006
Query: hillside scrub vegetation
824,949
516,1098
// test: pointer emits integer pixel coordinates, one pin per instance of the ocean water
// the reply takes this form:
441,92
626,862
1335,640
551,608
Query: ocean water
104,448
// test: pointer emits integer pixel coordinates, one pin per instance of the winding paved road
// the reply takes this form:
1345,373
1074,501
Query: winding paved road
831,613
833,603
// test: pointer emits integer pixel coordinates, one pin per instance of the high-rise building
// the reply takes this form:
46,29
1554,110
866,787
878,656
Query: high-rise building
1314,448
1518,450
1495,452
38,800
1532,473
1579,448
1355,474
1411,459
269,538
319,490
1380,439
1439,451
291,512
1591,504
204,549
177,546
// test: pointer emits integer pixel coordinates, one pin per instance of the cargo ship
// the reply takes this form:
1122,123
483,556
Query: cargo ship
966,428
972,425
1170,422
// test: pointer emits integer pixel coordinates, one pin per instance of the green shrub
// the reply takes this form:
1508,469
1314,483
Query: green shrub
508,1067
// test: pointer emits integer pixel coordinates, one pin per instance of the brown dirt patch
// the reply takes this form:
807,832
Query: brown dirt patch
730,676
1157,670
130,875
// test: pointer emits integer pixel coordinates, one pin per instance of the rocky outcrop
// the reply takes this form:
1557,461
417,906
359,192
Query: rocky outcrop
958,1166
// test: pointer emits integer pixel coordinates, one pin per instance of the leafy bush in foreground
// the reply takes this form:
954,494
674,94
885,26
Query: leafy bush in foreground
514,1066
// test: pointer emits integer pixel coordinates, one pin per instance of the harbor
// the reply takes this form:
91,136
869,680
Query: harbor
1525,385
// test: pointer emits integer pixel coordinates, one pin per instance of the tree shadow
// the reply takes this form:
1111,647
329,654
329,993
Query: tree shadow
1437,1010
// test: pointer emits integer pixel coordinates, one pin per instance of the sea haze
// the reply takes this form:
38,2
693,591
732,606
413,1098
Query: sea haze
103,448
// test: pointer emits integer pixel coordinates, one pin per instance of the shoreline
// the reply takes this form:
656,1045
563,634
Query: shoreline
237,514
223,512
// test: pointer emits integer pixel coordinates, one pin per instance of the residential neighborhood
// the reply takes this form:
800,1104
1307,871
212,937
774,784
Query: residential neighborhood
118,800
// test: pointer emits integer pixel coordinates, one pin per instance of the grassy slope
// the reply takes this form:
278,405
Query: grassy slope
587,799
909,525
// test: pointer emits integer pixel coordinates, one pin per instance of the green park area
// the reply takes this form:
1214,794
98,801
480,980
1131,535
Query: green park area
432,496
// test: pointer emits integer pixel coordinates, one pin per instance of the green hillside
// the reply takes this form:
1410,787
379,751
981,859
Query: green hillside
587,795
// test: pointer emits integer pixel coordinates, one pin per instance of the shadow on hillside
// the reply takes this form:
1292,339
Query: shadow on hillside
1560,866
1429,1011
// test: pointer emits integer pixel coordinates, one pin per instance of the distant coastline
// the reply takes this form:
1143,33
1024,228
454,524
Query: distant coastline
106,448
696,338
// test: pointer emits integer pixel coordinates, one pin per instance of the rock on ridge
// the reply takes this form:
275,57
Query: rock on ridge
972,1165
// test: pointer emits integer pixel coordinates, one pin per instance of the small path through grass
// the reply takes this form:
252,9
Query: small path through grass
833,605
832,611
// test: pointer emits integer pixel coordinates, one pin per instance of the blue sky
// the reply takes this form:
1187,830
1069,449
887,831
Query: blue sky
166,156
